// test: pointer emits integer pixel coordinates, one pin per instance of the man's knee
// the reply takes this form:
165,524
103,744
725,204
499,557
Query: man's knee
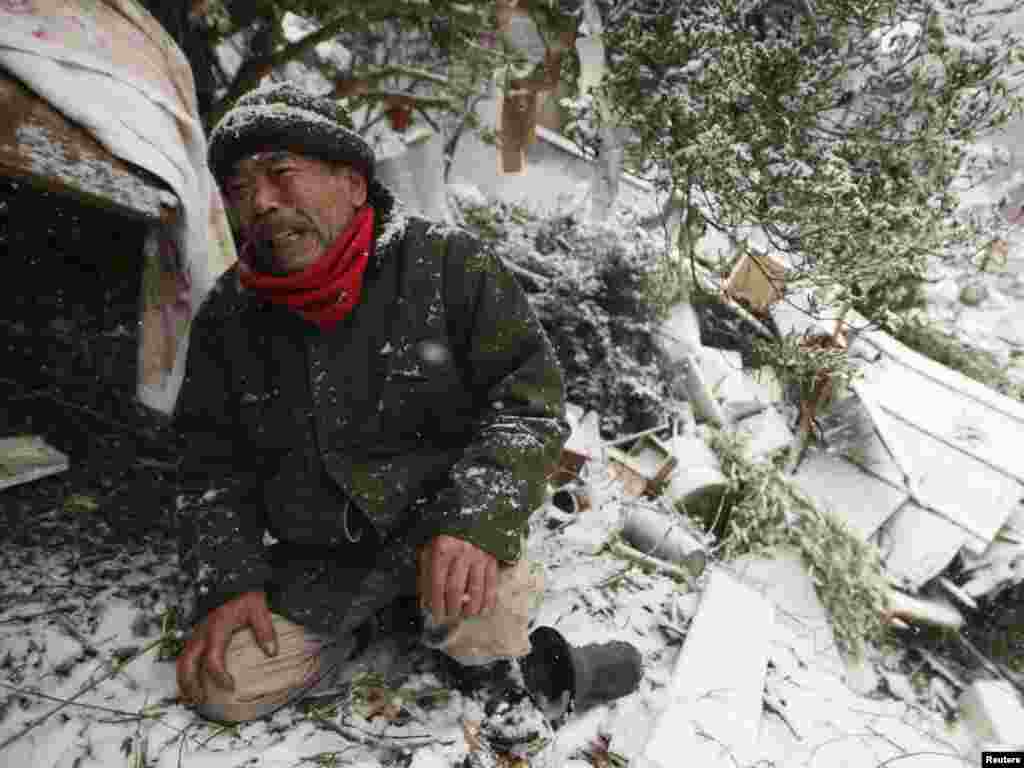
263,684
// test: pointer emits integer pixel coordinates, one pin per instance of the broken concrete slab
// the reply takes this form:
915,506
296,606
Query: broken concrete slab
937,372
766,432
999,567
715,700
917,545
802,631
838,486
723,373
679,335
993,712
697,481
942,478
848,430
797,314
26,458
766,385
988,434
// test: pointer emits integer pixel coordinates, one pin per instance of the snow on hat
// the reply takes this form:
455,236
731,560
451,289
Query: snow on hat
284,116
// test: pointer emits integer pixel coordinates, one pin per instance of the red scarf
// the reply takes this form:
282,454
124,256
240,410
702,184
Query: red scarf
328,289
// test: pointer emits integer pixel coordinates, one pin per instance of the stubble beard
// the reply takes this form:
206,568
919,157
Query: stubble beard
287,258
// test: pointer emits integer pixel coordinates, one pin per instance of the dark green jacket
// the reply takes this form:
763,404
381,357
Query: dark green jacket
435,407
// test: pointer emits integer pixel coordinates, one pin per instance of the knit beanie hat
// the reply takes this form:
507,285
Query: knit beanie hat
284,116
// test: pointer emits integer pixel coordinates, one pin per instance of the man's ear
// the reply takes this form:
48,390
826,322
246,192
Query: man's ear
358,186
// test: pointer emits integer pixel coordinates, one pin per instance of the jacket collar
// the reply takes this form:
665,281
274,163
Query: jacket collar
390,221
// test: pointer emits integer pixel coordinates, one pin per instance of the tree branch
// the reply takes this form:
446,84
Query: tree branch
249,75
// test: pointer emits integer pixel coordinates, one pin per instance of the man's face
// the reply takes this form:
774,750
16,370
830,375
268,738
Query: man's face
291,207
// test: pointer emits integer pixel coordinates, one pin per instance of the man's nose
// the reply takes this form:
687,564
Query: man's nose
264,198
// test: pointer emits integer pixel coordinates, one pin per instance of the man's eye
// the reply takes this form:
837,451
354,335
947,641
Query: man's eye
236,190
281,170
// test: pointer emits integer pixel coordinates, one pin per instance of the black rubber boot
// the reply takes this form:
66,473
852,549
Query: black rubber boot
565,678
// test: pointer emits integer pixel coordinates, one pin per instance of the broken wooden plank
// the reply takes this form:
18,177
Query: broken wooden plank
40,146
26,458
645,467
715,697
917,545
838,486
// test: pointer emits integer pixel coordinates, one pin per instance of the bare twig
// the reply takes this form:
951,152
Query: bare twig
776,709
116,668
96,707
539,280
627,552
911,755
27,616
355,733
637,435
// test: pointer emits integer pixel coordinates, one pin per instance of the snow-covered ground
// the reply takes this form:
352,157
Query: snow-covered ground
85,685
84,681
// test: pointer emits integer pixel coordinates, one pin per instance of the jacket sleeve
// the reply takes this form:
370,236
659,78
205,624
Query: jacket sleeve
502,475
221,519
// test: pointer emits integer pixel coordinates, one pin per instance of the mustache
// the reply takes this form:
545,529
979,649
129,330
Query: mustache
266,229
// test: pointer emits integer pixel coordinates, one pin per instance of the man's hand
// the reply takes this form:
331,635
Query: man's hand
211,637
457,579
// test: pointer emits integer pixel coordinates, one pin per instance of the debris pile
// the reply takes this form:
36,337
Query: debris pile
913,460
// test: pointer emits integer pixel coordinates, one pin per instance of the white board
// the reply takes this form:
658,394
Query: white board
715,702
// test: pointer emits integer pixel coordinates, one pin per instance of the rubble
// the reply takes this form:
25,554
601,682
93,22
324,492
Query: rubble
914,458
645,467
664,536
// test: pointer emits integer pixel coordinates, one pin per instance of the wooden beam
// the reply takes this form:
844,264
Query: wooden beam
38,145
